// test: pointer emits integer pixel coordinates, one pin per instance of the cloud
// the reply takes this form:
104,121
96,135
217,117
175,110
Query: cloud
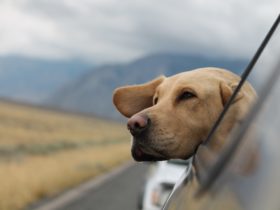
112,31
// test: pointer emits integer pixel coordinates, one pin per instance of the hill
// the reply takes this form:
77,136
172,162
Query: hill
34,80
92,93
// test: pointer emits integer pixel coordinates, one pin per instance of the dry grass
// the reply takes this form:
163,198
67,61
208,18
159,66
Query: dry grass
43,152
25,125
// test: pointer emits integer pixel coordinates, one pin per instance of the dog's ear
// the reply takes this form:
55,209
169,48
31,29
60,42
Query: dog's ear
226,91
132,99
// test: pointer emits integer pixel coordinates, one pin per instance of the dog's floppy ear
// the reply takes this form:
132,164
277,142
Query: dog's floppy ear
132,99
226,91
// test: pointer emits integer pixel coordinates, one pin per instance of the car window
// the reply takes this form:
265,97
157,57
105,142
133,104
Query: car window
257,73
250,179
258,77
233,199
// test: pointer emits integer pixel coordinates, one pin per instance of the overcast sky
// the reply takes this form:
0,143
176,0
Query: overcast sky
102,31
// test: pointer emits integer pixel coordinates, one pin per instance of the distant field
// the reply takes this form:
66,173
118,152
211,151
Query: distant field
43,152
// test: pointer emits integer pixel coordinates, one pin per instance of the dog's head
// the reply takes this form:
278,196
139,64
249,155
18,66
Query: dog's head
170,116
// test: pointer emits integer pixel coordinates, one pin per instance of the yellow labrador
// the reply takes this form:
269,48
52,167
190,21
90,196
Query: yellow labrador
169,117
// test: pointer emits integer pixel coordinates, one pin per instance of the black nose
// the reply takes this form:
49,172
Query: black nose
138,123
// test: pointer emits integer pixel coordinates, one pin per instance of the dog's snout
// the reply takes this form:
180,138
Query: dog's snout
137,124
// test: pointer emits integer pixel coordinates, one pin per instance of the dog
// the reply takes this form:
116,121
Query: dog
169,117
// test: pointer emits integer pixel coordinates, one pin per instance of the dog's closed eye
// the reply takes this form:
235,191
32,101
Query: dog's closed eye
185,96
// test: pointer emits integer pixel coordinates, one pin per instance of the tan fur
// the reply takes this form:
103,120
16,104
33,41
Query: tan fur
178,127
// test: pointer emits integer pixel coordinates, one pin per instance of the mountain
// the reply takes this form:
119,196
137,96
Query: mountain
92,93
34,80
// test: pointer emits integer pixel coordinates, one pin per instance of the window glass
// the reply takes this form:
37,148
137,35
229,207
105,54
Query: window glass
257,78
250,179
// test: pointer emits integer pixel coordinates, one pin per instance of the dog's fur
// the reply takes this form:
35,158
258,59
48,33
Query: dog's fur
181,110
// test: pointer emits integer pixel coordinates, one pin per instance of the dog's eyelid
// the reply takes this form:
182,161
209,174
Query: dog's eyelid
186,94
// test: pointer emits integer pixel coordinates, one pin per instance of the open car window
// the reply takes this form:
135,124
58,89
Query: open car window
249,180
235,189
259,77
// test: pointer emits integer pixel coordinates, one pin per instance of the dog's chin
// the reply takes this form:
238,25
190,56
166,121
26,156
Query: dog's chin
139,154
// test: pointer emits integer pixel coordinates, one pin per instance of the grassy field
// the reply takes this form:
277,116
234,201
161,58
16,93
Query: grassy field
43,152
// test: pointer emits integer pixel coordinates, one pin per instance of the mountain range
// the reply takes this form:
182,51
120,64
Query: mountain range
92,92
34,80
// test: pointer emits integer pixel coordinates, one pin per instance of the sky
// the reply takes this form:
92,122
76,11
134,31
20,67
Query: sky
102,31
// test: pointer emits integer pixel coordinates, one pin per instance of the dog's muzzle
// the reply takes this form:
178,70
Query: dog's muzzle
139,125
139,153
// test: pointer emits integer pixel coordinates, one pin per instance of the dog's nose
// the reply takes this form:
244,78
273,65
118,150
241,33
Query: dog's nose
137,124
